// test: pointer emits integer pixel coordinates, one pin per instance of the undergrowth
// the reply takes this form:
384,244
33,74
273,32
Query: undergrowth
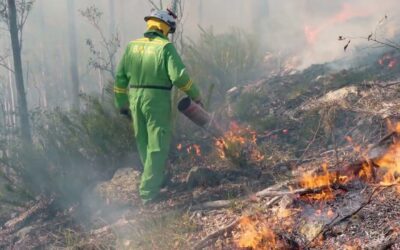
71,150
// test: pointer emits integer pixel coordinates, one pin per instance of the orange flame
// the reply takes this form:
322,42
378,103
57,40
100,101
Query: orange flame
323,181
197,149
194,149
390,162
237,139
256,234
388,61
347,12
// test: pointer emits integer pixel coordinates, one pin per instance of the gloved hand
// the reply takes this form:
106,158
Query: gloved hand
126,112
199,102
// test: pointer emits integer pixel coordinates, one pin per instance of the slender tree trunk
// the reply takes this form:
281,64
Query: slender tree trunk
200,12
73,53
44,69
12,96
19,78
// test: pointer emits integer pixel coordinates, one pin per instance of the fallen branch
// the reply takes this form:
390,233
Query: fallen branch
120,223
272,201
213,205
273,193
19,221
226,203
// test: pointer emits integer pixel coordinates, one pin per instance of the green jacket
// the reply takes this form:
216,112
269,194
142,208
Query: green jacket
151,61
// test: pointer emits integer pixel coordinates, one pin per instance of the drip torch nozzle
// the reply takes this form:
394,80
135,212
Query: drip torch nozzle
199,116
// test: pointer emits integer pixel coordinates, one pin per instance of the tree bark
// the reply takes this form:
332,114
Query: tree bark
19,78
44,69
73,50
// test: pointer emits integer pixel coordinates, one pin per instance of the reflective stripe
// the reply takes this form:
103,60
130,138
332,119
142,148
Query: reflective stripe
120,90
148,41
187,86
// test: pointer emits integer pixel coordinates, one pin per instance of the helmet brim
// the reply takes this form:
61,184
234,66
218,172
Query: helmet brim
172,28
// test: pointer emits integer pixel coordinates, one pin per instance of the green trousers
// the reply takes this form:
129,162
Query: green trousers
151,113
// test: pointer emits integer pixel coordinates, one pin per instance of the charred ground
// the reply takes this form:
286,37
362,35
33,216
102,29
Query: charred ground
320,123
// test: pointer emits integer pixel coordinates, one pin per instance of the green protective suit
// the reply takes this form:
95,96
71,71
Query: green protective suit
149,68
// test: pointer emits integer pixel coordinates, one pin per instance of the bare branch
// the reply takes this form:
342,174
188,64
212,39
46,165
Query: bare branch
4,64
155,5
104,62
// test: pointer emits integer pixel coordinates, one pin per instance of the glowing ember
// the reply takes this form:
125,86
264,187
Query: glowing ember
388,61
194,149
392,63
330,213
197,149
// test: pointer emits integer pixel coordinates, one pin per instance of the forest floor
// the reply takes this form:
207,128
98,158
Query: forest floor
319,171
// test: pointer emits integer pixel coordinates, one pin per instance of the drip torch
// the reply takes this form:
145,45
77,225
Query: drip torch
200,117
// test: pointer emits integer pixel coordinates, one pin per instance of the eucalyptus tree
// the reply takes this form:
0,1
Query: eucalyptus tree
15,14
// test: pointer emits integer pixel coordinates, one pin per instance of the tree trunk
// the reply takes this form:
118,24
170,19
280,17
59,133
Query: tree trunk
73,50
19,78
45,86
200,12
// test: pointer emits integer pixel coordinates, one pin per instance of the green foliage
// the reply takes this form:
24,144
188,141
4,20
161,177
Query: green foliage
223,60
71,149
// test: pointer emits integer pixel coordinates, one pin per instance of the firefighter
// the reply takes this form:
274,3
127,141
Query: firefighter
148,70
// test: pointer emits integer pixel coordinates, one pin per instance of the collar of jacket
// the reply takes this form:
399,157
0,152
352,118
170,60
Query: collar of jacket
152,33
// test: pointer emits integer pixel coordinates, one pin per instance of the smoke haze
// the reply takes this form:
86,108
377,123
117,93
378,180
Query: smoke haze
304,29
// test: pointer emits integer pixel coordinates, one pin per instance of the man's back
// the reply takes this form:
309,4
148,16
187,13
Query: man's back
145,61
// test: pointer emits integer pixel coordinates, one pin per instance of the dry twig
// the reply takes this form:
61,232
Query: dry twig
336,221
18,222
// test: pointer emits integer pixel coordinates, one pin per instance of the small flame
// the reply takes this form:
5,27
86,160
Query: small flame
323,181
346,13
194,149
256,234
238,140
390,162
388,61
197,149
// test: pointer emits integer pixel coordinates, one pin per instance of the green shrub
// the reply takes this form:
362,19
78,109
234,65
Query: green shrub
71,149
219,62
